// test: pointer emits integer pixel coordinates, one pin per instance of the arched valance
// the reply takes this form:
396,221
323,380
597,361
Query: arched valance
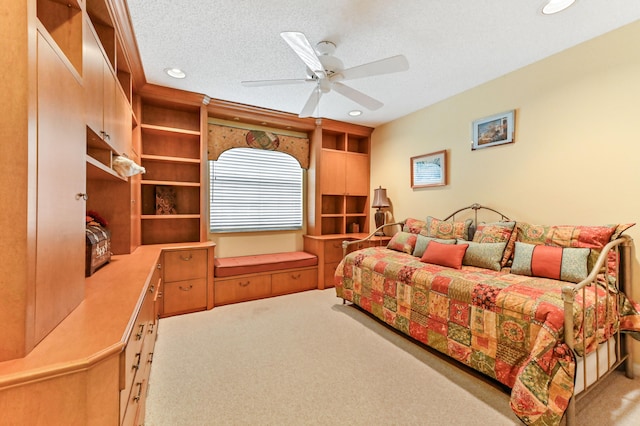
222,138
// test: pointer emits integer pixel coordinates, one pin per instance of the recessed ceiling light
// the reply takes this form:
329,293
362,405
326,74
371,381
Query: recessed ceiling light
555,6
175,72
355,113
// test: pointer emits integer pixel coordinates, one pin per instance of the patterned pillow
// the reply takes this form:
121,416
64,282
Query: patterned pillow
564,264
423,242
593,237
414,226
497,232
448,230
403,241
444,254
484,255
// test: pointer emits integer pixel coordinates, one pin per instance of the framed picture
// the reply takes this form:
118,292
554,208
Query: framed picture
429,170
491,131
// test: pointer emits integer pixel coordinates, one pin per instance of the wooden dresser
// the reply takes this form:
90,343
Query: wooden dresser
94,367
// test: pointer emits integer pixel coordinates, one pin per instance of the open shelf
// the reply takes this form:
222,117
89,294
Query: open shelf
63,22
97,170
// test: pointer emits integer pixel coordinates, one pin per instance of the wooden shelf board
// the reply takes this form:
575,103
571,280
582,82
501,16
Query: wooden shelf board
170,183
169,129
168,159
97,170
169,216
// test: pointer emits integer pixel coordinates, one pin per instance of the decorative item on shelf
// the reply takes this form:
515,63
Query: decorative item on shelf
380,201
126,167
98,239
166,200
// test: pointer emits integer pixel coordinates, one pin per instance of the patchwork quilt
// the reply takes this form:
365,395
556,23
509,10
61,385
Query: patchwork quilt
509,327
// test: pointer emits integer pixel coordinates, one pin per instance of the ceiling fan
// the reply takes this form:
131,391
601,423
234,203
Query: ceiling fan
327,73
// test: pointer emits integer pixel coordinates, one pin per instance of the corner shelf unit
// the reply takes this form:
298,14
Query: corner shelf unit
172,154
342,193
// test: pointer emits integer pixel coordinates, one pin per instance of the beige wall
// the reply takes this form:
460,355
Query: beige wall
576,159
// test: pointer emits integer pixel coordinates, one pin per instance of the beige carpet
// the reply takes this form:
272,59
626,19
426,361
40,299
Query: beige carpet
306,359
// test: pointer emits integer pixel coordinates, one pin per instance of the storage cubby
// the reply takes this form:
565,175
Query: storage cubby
171,170
358,144
172,118
333,140
187,199
332,204
177,143
356,204
357,220
170,230
333,225
63,22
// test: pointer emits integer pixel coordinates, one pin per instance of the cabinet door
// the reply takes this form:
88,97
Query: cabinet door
60,243
332,175
92,76
119,124
357,174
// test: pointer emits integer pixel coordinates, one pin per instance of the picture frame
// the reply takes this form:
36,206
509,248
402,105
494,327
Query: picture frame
494,130
429,170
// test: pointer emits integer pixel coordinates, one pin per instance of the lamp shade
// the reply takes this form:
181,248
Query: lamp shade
380,198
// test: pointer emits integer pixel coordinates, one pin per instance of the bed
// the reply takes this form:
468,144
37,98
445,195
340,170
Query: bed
499,314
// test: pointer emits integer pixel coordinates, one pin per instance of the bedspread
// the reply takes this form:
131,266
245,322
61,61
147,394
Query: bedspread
509,327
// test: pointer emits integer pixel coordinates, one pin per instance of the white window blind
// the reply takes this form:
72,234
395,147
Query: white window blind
255,190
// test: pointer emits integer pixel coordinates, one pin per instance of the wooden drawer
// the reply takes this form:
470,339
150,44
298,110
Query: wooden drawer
185,296
332,251
292,281
238,289
181,265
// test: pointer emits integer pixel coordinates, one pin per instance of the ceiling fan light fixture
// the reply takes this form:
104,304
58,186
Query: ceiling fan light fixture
175,72
355,113
555,6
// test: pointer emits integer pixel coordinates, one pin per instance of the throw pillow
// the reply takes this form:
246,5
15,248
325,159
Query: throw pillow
448,230
423,242
403,241
564,264
449,255
497,232
414,226
484,255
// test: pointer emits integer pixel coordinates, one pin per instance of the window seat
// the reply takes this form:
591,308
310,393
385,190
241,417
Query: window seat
243,278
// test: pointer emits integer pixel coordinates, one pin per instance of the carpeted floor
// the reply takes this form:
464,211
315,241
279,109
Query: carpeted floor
307,359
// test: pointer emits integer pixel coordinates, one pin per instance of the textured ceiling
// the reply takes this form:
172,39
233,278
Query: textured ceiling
451,45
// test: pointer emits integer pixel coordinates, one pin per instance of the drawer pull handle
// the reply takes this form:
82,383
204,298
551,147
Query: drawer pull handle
137,364
186,288
337,245
137,397
244,284
151,326
140,332
296,276
186,258
150,358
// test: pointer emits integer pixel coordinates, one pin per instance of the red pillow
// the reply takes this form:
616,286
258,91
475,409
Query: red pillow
444,254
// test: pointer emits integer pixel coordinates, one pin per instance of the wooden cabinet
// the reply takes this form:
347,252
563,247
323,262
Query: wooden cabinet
328,248
172,153
188,280
241,288
341,190
59,275
137,356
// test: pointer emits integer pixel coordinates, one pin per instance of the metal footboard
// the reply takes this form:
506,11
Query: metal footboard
621,247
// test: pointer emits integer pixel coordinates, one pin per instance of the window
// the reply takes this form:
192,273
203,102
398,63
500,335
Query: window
255,190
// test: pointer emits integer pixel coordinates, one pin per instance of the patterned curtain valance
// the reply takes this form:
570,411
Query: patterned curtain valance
222,138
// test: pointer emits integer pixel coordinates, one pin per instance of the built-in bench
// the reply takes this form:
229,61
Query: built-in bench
242,278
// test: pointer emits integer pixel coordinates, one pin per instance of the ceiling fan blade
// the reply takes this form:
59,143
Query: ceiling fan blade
256,83
312,103
299,43
382,66
357,96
